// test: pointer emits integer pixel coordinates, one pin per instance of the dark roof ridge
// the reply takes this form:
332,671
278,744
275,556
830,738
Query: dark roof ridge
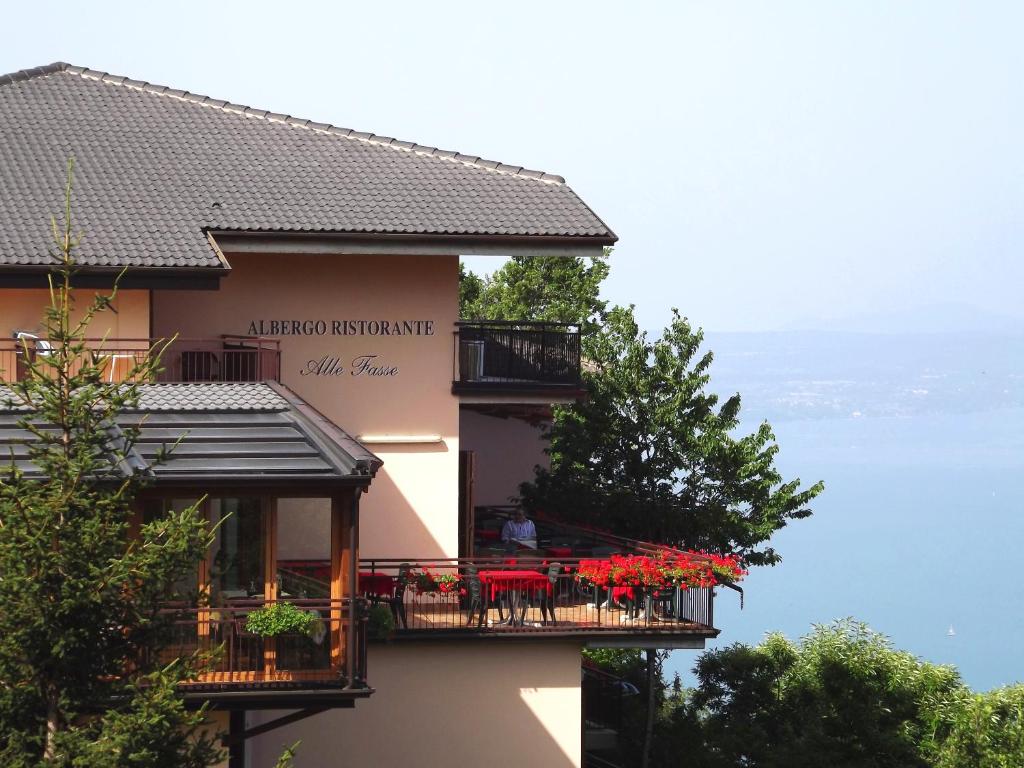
348,133
28,74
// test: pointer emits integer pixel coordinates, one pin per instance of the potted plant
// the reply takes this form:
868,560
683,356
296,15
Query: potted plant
301,633
433,584
282,618
380,623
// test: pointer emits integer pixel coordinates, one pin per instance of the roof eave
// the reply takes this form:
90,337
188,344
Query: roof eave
89,276
309,484
372,243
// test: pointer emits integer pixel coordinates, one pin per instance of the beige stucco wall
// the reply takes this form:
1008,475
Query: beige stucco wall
217,725
437,705
22,310
411,509
507,450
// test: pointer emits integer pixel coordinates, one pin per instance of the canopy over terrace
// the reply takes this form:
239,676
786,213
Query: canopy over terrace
240,435
255,451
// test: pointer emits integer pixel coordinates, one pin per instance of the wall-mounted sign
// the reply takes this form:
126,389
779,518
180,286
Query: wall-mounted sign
341,328
361,365
333,364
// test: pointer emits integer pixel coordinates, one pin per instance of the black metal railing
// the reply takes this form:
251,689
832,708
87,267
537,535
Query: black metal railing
238,655
603,695
228,358
526,594
516,354
555,538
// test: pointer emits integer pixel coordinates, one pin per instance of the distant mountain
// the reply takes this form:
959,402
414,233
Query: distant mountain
949,317
829,374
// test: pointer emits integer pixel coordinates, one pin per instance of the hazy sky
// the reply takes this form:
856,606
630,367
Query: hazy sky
765,164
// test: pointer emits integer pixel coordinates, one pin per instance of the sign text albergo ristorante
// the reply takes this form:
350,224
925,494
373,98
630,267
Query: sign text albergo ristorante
333,365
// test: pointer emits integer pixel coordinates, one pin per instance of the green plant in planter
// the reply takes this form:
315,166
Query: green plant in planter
280,619
380,624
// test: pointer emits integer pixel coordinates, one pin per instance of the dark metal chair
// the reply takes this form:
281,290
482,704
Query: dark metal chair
547,597
665,604
474,599
398,598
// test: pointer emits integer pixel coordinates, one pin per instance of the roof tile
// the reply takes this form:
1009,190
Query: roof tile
151,161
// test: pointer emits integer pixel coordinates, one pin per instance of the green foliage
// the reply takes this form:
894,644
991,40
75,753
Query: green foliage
80,618
471,286
652,455
622,662
983,730
288,756
281,618
380,624
553,288
841,696
147,732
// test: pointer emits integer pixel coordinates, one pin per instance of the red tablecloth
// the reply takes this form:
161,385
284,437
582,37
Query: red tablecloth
502,581
560,551
379,584
488,534
618,593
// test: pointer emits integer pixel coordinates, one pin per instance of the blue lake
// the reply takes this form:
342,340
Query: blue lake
919,529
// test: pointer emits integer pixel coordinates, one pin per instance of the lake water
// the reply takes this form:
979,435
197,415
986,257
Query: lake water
921,525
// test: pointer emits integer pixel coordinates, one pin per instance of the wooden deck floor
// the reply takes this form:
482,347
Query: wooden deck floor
448,617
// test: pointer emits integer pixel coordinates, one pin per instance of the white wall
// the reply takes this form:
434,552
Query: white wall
488,703
412,507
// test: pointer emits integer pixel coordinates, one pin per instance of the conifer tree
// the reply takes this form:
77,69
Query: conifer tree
81,593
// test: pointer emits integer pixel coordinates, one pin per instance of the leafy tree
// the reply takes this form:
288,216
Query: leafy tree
471,286
80,599
982,730
842,696
554,288
652,455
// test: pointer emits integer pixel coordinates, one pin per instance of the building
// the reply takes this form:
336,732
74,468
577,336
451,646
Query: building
355,429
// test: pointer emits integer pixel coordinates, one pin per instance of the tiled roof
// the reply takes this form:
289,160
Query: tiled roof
229,432
210,396
156,167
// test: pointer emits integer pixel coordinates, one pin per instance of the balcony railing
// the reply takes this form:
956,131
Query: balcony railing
228,358
333,655
529,594
492,355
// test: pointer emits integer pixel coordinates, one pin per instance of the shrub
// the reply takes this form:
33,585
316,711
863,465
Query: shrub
281,618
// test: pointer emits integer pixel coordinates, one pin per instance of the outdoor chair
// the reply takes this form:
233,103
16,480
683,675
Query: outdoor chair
398,598
474,599
664,603
547,599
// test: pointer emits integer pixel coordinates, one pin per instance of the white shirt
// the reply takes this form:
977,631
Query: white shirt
516,531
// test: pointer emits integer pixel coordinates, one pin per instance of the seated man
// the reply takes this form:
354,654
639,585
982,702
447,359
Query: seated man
519,530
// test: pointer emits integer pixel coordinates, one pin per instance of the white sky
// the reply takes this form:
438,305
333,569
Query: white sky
765,164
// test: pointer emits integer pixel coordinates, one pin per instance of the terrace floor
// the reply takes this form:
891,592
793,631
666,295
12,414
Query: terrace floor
428,614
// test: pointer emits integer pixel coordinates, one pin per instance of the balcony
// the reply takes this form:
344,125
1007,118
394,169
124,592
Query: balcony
228,358
532,595
516,358
327,666
321,660
498,590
